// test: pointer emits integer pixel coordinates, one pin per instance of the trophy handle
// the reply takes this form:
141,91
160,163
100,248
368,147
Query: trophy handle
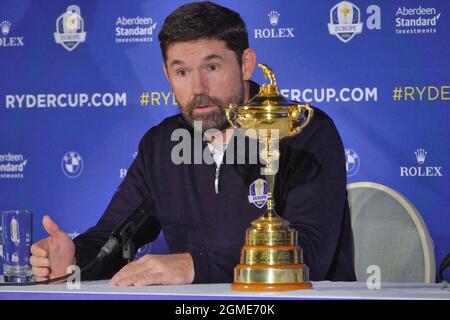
295,115
230,112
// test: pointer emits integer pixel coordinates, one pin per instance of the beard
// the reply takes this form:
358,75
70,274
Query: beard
214,119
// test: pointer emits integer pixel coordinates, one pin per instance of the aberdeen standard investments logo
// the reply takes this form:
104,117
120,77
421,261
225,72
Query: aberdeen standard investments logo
345,20
72,164
421,171
273,33
70,28
12,166
135,29
417,20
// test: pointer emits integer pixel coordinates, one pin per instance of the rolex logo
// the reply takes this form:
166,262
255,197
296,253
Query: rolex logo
8,41
5,25
421,171
273,33
421,154
273,17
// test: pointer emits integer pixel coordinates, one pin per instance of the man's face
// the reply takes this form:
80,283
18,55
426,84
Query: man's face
205,77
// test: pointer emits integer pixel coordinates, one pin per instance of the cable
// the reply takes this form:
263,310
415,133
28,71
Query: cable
34,283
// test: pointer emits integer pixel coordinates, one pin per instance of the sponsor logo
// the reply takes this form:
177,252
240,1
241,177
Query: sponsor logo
72,164
351,162
421,154
274,33
345,20
273,17
416,20
12,166
421,171
331,94
70,28
137,29
65,100
5,25
258,191
9,41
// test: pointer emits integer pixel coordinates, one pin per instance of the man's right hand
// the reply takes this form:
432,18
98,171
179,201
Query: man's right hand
51,256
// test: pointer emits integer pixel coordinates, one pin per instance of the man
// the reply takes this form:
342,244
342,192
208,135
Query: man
203,209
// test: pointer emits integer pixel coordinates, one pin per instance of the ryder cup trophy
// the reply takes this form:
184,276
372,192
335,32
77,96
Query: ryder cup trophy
271,259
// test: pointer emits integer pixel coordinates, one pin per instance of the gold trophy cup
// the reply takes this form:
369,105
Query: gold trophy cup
271,259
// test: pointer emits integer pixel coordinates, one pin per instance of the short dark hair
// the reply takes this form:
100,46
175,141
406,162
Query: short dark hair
199,20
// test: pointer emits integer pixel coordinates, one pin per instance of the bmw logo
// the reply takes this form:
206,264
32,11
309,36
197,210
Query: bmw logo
351,162
72,164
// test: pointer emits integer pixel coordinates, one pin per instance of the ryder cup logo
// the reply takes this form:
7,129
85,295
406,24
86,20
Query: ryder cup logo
345,21
72,164
258,193
70,28
351,162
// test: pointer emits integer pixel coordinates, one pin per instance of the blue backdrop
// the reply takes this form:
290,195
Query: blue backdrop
77,92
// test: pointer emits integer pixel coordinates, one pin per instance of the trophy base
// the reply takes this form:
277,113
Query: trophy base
260,277
270,286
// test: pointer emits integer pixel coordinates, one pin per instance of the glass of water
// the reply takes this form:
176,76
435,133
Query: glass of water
17,227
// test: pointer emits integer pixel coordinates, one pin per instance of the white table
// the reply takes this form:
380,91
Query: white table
322,290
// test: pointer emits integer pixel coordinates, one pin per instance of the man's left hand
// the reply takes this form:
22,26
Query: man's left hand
156,269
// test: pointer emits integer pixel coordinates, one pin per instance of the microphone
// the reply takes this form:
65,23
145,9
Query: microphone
122,234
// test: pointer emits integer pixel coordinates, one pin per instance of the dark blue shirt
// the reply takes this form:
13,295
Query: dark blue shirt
310,192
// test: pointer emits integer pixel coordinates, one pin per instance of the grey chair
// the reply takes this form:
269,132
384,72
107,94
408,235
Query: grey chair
389,232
